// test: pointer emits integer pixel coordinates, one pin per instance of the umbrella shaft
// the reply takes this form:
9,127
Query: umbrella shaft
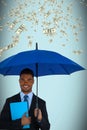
37,85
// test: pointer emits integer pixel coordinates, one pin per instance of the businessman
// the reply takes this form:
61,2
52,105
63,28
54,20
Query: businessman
38,117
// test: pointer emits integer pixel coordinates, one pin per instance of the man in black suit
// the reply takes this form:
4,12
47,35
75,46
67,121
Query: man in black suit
38,117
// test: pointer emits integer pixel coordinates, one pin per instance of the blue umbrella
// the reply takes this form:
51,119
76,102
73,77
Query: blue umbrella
48,63
42,62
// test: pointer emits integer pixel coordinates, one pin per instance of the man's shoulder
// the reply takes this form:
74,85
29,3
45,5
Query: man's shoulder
39,99
14,97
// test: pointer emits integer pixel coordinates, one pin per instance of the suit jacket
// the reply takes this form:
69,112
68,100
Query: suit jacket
7,123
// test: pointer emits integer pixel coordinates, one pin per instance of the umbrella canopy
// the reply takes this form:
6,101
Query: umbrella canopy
42,62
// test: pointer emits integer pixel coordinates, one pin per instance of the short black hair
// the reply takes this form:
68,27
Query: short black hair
27,71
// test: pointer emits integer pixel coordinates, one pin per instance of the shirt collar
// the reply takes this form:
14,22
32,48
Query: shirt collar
30,95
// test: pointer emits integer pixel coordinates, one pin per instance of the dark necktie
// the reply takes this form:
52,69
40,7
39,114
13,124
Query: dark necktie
26,100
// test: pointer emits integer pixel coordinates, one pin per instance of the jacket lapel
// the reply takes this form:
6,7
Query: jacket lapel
33,105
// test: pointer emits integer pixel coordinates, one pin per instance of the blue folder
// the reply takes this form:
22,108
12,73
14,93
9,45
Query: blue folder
18,109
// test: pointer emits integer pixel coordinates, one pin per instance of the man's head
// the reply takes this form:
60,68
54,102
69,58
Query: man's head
26,80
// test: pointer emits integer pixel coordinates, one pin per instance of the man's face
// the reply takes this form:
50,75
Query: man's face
26,82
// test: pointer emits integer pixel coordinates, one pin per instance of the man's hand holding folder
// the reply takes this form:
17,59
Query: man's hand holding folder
25,120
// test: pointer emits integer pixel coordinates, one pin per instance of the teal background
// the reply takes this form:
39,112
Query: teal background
65,95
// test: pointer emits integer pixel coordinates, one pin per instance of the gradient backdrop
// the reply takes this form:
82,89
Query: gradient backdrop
56,25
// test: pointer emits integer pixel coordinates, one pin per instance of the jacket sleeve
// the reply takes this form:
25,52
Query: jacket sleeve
44,124
5,118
